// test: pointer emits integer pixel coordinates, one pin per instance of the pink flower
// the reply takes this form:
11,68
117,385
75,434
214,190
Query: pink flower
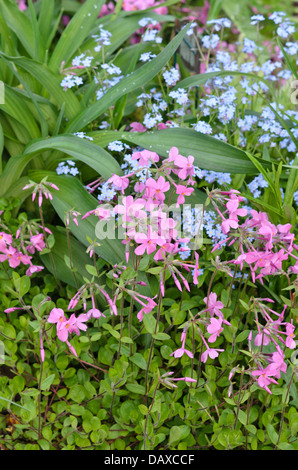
179,352
147,242
215,329
38,242
146,309
196,269
213,305
5,239
264,377
137,127
56,316
101,212
72,325
185,166
144,157
120,182
182,191
210,352
14,257
290,328
33,269
157,188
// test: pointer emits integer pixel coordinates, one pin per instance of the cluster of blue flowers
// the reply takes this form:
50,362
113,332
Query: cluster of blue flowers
67,168
256,185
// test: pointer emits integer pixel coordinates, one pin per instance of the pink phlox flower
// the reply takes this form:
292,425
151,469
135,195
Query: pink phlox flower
147,242
290,328
137,127
5,239
185,166
214,306
145,157
101,212
157,188
14,257
196,269
276,362
37,241
33,269
120,182
261,338
210,352
214,328
264,377
179,352
182,191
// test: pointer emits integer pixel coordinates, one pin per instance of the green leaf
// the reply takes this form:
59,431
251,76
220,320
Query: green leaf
273,436
209,153
178,433
75,32
46,383
136,388
51,82
139,360
97,158
20,23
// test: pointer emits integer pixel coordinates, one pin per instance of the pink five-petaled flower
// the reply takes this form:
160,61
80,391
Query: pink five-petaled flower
214,328
182,191
265,377
234,212
5,239
156,188
145,157
101,212
147,242
146,309
290,328
213,305
33,269
196,271
185,166
37,243
14,257
179,352
120,182
210,352
72,325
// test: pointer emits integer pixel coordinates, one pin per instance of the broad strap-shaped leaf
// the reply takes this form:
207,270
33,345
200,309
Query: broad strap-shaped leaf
82,150
16,107
128,84
209,153
51,82
94,156
76,31
20,23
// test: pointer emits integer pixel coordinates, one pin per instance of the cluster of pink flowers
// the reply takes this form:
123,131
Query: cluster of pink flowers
17,250
65,326
263,245
276,332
